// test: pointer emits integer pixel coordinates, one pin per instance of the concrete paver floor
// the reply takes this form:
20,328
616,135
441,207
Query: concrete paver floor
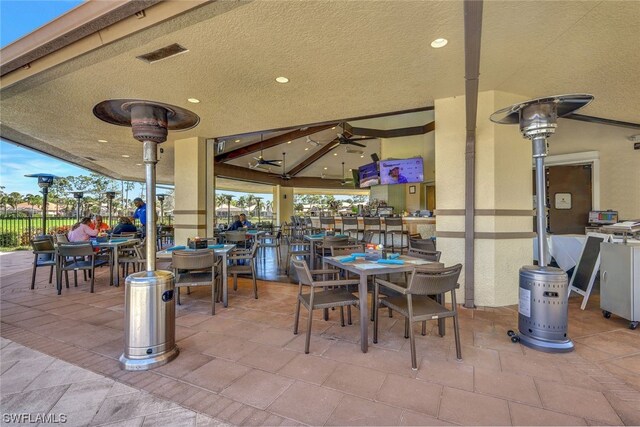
244,366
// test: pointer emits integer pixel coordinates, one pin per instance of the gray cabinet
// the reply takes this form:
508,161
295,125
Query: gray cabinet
620,281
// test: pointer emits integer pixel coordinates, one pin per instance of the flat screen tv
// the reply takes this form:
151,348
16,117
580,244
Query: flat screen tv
401,171
369,175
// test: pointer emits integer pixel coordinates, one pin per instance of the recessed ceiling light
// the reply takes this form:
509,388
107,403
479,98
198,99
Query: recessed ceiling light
335,154
138,164
362,156
102,140
126,155
288,142
306,149
282,79
333,127
438,43
237,140
193,100
326,168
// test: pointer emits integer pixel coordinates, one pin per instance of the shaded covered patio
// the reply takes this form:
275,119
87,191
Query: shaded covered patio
244,366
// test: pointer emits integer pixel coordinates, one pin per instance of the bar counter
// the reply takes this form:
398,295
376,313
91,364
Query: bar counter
423,225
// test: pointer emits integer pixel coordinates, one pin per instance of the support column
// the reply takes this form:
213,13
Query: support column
282,203
193,201
503,199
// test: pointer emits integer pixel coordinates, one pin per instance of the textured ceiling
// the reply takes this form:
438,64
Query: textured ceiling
343,59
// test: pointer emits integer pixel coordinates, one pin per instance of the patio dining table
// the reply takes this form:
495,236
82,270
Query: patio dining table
365,268
114,245
221,251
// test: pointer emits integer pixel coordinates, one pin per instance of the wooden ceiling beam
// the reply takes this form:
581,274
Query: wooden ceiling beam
325,149
391,133
225,170
272,142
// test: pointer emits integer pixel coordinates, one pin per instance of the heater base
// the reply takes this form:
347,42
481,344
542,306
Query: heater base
147,363
564,346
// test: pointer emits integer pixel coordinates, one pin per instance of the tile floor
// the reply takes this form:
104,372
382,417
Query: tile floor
244,366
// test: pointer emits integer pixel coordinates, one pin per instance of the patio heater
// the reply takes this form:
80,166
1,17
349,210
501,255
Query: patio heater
161,200
110,196
78,195
258,200
543,292
44,181
149,303
229,197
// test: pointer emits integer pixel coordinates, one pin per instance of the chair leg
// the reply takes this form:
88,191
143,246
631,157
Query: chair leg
213,297
407,327
75,278
33,275
390,312
457,336
349,315
424,327
341,317
51,274
412,342
255,282
66,278
296,317
235,282
309,321
178,295
93,277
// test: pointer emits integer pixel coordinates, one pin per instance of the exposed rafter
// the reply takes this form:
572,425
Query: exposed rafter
225,170
390,133
600,120
272,142
314,157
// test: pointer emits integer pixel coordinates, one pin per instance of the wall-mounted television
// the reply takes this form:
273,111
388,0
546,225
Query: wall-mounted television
401,171
369,175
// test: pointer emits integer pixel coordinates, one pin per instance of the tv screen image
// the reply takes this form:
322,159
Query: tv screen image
401,171
369,175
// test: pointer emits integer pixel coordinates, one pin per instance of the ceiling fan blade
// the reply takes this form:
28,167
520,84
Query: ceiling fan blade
356,144
271,162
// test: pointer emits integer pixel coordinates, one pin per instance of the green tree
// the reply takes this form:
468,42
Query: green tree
34,200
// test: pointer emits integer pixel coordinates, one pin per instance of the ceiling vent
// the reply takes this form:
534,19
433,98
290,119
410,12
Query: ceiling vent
90,158
162,53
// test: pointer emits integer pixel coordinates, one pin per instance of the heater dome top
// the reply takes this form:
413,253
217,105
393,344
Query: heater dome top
565,104
118,112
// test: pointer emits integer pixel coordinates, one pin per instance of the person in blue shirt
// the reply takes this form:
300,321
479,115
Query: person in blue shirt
245,222
141,211
236,224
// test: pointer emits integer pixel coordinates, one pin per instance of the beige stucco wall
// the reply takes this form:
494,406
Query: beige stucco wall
503,181
190,172
619,162
283,203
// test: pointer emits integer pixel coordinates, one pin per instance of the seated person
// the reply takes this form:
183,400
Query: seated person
245,222
236,224
97,224
124,226
82,231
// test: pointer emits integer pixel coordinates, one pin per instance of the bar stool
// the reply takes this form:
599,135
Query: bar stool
374,225
328,223
394,227
350,224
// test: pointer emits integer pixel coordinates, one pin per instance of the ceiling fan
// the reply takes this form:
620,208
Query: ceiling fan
262,161
343,180
284,174
344,140
313,142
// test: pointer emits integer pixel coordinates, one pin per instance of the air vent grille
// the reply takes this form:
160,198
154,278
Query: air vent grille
162,53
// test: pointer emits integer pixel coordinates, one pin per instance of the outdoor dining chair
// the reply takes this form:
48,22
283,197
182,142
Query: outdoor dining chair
414,302
244,262
44,255
423,244
350,225
78,256
296,247
393,231
332,293
270,240
197,268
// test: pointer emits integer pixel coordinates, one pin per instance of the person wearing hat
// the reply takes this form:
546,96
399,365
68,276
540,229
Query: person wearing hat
396,177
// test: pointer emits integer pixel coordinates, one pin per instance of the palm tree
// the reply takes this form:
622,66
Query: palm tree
13,199
33,200
250,200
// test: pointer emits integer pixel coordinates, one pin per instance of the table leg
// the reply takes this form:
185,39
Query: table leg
225,289
111,269
312,257
116,264
364,313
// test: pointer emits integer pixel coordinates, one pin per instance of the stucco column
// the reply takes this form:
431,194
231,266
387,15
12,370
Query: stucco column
503,203
282,203
194,189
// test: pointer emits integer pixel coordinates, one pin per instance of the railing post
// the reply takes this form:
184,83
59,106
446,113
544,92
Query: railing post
30,235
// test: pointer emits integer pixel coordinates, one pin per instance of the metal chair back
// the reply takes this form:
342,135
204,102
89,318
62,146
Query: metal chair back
434,280
73,250
422,244
424,254
346,250
61,238
302,271
43,244
193,260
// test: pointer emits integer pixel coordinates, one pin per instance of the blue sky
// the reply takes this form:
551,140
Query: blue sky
17,19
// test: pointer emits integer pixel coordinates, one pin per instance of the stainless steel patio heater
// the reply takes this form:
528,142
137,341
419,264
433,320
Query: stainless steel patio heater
149,302
543,293
161,198
78,195
44,181
110,196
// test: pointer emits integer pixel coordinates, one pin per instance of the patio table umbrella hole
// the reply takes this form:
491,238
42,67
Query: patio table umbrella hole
543,308
149,295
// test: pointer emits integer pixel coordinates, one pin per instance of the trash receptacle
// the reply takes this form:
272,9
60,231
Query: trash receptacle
150,318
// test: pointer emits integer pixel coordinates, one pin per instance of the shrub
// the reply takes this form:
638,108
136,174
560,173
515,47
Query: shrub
8,239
